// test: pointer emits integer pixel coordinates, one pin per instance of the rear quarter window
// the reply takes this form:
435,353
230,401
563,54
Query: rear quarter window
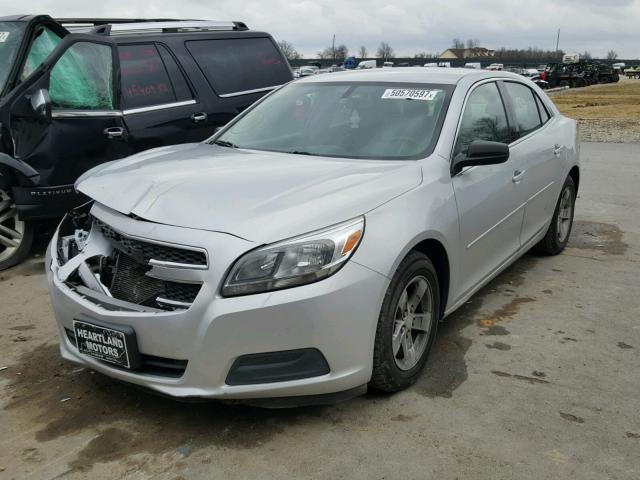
241,64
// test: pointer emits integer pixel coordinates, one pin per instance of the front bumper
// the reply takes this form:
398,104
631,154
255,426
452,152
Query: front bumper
337,316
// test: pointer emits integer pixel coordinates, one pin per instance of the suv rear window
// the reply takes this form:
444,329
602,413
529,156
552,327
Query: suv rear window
241,64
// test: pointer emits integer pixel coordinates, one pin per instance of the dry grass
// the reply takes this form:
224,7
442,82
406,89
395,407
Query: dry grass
610,101
605,113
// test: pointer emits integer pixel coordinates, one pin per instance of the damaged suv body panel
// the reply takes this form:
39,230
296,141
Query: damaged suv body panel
264,189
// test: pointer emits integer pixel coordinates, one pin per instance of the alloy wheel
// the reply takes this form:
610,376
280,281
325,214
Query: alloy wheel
11,228
565,215
413,322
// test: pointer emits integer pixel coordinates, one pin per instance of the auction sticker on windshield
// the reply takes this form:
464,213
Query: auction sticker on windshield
4,36
410,94
102,343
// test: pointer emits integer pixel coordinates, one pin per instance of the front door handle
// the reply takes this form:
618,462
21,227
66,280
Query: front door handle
518,175
198,117
114,132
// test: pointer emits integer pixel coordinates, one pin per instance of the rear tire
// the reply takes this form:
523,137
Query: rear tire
16,236
557,236
407,324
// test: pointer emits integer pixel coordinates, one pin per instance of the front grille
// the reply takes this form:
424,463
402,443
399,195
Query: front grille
131,283
151,365
146,251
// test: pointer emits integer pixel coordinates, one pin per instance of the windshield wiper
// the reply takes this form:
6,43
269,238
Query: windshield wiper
224,143
299,152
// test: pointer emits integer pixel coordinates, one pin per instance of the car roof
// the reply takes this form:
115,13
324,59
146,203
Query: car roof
16,18
445,76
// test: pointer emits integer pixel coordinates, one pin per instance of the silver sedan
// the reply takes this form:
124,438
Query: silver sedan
308,250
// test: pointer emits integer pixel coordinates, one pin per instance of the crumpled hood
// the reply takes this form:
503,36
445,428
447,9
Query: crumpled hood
259,196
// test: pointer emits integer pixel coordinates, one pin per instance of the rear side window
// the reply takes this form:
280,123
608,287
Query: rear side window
544,114
484,118
145,79
524,106
242,64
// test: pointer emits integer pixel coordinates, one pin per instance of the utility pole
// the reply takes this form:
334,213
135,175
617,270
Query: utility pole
333,47
558,41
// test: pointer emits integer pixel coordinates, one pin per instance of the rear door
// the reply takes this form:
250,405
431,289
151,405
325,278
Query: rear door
159,104
537,147
84,127
490,200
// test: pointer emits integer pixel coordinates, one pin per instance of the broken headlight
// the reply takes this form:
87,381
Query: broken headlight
73,232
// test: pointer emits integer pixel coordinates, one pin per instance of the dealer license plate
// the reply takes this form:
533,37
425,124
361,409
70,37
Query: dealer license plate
102,343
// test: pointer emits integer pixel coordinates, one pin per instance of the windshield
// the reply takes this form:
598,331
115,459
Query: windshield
389,121
11,34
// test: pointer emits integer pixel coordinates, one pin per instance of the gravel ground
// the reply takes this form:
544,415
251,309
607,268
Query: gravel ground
536,377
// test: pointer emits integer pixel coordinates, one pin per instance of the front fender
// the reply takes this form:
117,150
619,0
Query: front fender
19,166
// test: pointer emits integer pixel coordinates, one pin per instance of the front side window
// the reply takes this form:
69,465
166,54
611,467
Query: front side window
484,118
82,78
524,107
145,80
45,42
11,34
241,64
345,119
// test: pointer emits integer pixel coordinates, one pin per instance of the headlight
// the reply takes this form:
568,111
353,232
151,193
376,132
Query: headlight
296,261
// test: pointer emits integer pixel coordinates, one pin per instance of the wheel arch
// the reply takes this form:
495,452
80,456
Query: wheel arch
438,255
574,173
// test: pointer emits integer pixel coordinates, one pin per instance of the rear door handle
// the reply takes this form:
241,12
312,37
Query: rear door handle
557,149
518,175
198,117
114,132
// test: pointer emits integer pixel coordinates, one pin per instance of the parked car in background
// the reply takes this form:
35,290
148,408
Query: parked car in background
431,65
119,89
366,64
496,67
310,248
307,70
476,65
387,64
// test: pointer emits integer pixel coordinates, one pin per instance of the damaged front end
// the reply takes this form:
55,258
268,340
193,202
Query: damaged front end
122,272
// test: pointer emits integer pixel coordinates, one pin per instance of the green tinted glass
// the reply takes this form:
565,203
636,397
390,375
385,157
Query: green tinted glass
82,78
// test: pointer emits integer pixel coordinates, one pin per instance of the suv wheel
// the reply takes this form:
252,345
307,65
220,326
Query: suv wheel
16,236
407,324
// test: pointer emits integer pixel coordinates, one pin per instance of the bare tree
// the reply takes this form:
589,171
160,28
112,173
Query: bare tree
586,55
362,52
473,43
385,51
340,53
612,55
457,43
424,55
288,50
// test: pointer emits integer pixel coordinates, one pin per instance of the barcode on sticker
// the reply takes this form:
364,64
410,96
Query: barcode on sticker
4,36
414,94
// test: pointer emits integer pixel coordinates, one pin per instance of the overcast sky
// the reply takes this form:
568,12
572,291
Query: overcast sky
409,26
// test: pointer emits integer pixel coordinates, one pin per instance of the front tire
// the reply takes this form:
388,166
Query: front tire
16,236
407,324
557,236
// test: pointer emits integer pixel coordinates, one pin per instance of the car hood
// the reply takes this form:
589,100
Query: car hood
258,196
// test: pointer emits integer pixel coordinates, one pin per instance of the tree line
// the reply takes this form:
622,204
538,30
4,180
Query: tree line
385,52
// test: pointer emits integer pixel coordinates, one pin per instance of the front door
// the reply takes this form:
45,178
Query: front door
66,121
489,198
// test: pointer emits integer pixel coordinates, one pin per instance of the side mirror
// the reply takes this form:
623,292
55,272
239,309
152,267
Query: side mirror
41,104
482,152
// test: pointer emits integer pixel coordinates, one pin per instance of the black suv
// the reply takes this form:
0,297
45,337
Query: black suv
71,101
